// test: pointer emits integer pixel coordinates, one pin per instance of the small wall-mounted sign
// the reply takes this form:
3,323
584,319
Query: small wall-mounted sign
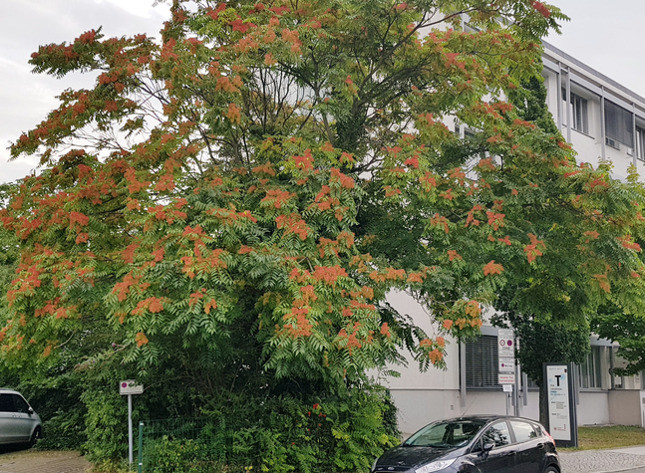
506,378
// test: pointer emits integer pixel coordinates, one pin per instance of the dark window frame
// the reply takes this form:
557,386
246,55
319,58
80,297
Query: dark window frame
619,124
590,371
640,143
482,367
579,112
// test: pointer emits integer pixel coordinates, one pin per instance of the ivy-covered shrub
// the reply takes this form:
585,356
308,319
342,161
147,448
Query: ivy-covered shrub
105,424
280,435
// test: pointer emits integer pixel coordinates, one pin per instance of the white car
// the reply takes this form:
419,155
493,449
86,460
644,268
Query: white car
19,423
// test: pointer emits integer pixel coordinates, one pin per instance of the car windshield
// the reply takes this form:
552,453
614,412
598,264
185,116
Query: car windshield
446,434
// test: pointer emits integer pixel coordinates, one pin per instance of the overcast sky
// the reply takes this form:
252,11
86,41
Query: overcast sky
601,34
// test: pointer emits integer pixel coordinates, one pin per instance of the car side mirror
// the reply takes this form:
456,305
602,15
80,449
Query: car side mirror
488,446
30,410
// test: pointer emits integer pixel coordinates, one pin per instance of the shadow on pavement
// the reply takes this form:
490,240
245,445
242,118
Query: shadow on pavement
13,448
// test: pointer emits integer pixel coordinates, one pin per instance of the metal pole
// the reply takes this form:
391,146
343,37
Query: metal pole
516,387
634,133
140,452
559,97
462,375
516,392
568,106
508,403
130,436
603,131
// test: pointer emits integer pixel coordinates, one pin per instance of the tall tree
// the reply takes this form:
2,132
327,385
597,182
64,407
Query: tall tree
234,202
553,303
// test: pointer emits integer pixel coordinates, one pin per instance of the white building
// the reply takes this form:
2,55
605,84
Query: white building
603,121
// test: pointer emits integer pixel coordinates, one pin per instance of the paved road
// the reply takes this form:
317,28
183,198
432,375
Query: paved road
602,461
30,461
630,459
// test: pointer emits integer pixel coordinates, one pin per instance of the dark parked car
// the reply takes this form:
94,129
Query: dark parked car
474,444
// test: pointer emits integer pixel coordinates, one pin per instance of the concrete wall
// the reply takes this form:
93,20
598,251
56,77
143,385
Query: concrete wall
593,408
625,407
418,407
411,377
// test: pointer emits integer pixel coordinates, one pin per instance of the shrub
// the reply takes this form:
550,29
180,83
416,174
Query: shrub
105,425
279,435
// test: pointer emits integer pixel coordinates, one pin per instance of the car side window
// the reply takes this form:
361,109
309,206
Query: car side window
6,403
21,404
497,434
523,431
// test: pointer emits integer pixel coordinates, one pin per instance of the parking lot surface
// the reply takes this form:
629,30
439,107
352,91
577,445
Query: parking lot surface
31,461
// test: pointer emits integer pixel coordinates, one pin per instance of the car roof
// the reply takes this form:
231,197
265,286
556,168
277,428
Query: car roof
8,391
485,418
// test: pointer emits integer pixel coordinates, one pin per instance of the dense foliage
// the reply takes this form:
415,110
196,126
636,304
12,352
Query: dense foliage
226,209
280,434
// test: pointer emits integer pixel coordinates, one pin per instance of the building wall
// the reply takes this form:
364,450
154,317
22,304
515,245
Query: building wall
418,407
593,407
625,407
593,86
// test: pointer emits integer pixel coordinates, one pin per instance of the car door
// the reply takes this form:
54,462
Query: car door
501,458
23,418
530,451
8,432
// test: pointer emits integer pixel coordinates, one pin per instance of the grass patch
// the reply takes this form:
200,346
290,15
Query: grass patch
614,436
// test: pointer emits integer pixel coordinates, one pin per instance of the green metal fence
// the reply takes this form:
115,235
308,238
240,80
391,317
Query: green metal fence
180,445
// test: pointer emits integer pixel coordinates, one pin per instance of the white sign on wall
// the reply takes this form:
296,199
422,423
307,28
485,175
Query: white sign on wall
503,378
558,400
505,343
506,365
505,356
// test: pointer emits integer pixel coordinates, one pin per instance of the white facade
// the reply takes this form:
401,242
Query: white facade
594,134
603,121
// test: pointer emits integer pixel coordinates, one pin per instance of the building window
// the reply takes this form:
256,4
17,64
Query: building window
590,371
579,112
579,115
481,362
619,126
640,144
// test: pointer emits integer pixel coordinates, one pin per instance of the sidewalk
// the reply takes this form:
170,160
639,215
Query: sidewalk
602,461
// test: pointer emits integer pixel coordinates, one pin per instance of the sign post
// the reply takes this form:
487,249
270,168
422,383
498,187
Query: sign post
563,424
129,387
506,363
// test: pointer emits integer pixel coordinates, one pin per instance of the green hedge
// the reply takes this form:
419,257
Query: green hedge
276,435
